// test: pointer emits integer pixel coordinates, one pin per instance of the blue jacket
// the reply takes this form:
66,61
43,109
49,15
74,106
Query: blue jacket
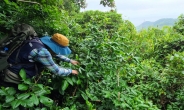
22,60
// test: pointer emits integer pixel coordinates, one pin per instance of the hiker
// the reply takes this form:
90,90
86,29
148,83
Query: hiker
37,54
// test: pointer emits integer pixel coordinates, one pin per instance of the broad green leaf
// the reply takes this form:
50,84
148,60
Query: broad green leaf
15,103
44,108
22,87
27,81
30,102
66,108
78,82
64,85
73,107
3,92
89,104
7,1
46,101
9,98
11,91
85,97
22,74
34,99
40,86
23,96
24,103
6,105
41,92
142,106
69,80
91,96
74,79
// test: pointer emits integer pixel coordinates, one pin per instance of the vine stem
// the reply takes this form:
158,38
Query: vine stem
74,91
38,78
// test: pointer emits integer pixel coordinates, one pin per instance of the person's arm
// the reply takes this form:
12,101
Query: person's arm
44,57
63,58
66,59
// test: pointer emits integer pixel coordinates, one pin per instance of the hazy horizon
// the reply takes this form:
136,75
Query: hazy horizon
138,11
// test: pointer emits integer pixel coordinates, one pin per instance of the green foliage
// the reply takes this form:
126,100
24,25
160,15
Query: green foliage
28,95
43,17
164,49
8,14
119,67
179,25
108,23
109,3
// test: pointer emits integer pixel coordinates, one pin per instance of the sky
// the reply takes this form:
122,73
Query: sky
139,11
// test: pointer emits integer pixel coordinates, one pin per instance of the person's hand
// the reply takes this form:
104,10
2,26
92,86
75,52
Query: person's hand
74,72
74,62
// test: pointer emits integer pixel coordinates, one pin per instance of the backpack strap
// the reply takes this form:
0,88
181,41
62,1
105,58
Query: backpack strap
16,58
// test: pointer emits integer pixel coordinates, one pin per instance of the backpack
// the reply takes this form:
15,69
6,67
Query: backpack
19,33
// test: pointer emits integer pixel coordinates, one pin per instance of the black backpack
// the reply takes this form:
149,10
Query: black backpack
19,34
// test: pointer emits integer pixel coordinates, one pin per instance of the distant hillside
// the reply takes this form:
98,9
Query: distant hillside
159,23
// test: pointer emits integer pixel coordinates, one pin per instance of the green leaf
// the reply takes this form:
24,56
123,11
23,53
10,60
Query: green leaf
9,98
23,96
78,82
29,102
44,108
15,103
41,92
27,81
69,80
89,104
3,92
64,85
66,108
85,97
34,99
6,105
74,79
11,91
46,101
22,74
142,106
24,103
40,86
23,87
7,2
91,96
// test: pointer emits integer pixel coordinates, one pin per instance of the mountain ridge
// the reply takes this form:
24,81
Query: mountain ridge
158,23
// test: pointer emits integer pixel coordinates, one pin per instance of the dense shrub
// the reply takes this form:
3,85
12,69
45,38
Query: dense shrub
119,67
179,27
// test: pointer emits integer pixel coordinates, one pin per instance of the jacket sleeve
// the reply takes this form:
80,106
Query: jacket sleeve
63,58
44,57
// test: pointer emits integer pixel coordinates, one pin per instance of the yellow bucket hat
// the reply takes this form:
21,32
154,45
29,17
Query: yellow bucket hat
58,43
60,39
